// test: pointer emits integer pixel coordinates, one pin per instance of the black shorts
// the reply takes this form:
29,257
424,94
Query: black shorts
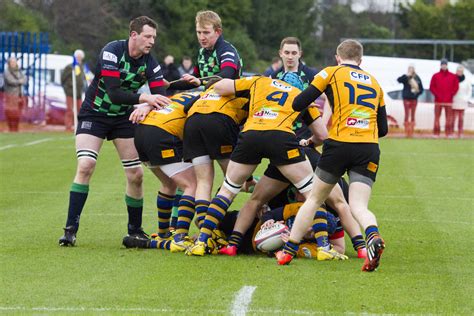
273,172
213,134
280,147
339,157
157,146
105,127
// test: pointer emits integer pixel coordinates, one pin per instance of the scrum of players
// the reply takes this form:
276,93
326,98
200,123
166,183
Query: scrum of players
238,121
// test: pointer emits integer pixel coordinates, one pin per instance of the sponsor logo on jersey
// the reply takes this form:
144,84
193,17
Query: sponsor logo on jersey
268,114
211,96
323,74
109,56
165,110
279,85
357,122
156,69
357,76
360,114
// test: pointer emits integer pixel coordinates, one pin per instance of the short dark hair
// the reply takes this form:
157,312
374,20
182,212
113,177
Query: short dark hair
185,57
137,24
291,40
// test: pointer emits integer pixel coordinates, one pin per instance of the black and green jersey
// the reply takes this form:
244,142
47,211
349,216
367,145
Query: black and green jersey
115,62
224,54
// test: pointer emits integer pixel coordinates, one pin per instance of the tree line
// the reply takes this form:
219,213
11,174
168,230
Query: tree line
255,27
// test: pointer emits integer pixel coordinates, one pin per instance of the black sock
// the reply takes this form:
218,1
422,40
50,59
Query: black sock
135,210
77,199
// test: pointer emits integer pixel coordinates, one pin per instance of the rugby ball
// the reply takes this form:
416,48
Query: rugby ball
269,238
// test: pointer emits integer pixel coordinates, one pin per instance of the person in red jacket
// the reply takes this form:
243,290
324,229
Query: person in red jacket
444,86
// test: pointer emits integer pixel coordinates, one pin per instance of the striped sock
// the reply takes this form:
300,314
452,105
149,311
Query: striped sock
77,199
291,247
164,203
185,214
201,210
235,239
215,214
358,242
370,233
135,211
320,228
177,198
162,244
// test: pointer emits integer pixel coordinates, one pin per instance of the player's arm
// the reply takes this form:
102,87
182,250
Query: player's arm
224,87
382,117
313,91
156,83
312,118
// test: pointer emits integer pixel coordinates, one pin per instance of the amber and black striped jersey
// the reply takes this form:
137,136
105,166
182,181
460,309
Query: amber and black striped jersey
210,102
115,61
270,105
172,117
355,97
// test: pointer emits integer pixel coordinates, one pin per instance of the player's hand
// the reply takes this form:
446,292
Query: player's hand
285,236
157,101
268,223
306,142
140,113
191,79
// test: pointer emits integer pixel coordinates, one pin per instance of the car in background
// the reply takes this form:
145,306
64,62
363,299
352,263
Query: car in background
387,69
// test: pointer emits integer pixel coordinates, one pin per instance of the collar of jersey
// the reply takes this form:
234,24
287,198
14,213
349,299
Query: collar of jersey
352,66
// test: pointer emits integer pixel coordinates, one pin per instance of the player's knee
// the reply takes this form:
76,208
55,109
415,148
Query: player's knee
134,175
85,167
305,185
234,188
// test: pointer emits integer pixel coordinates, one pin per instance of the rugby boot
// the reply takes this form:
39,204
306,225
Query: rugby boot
181,243
199,249
229,250
69,237
283,258
330,254
362,253
374,252
134,241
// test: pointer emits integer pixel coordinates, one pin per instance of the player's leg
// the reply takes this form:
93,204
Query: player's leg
134,190
235,177
87,151
264,191
449,126
337,201
204,170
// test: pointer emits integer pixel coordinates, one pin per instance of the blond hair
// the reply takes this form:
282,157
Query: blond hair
350,50
208,17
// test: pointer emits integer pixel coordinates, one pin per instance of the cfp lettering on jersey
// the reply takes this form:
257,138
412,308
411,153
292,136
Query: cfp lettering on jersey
357,76
281,86
357,122
266,114
109,56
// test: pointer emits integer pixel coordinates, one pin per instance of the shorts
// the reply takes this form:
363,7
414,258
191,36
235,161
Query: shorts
339,157
157,146
213,134
103,126
280,147
273,172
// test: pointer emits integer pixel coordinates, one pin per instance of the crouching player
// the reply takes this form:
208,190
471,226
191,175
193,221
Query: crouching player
158,139
358,120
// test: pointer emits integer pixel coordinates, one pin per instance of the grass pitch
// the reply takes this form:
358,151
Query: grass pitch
423,200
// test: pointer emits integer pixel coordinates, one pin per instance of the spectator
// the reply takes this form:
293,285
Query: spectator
276,64
444,85
14,101
186,66
170,72
66,82
461,99
412,88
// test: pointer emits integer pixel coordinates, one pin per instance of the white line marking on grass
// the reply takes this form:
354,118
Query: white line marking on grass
423,197
39,141
242,301
8,146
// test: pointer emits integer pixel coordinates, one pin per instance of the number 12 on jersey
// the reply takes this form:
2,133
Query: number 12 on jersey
371,93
